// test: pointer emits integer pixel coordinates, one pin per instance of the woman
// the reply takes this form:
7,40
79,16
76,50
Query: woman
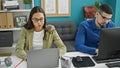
37,35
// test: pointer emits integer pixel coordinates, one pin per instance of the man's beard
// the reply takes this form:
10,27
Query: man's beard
101,26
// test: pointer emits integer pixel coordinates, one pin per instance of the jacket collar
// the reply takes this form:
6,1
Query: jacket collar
49,29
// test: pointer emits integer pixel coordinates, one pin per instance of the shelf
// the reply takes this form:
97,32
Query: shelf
21,4
12,29
18,10
14,45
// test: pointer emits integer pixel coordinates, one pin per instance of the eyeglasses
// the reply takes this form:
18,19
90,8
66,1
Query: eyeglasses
104,17
37,20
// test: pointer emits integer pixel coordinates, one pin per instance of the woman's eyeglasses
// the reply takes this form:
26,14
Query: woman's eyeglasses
37,20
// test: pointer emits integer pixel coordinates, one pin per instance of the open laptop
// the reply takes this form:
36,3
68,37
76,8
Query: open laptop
43,58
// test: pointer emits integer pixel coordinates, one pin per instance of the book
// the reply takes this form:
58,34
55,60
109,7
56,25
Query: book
10,22
4,20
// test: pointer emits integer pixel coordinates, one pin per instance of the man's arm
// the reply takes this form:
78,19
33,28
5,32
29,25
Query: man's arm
80,42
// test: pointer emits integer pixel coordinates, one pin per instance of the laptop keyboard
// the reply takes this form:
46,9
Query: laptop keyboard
115,64
104,60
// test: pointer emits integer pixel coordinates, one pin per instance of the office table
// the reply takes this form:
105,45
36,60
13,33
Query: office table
23,64
17,63
74,54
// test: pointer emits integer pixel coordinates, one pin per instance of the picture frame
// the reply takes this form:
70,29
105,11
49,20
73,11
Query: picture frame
53,8
20,21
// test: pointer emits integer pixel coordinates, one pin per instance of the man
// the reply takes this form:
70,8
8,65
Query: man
88,34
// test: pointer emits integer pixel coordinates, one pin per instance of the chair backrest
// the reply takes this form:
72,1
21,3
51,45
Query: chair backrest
89,12
67,32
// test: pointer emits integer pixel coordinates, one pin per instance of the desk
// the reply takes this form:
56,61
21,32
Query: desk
16,60
74,54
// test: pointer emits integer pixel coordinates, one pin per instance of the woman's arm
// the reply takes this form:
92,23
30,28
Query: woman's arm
59,43
19,50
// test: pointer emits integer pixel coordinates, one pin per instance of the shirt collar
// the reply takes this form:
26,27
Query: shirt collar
93,25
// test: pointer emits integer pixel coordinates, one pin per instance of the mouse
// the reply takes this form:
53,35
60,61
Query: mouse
79,59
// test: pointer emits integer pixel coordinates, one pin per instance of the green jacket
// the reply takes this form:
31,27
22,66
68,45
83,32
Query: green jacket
26,37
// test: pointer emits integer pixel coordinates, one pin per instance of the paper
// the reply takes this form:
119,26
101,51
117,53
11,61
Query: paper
63,7
56,7
50,6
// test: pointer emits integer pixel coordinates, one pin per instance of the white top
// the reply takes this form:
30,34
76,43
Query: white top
38,40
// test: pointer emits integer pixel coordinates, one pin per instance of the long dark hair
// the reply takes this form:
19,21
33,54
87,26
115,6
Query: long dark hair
29,24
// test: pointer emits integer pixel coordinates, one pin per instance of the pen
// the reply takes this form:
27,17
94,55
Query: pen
18,64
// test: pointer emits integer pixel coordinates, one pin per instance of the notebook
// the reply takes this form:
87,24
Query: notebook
43,58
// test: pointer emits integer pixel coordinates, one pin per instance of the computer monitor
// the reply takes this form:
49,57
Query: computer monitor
6,41
109,45
6,38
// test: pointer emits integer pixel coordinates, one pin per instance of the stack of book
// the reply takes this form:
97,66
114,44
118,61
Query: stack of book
6,20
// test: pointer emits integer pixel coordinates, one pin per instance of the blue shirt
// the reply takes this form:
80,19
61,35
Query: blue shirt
87,37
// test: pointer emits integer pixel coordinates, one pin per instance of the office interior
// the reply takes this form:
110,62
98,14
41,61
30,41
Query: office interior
76,16
77,13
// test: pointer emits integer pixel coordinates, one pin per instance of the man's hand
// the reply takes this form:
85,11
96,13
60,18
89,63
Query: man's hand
96,52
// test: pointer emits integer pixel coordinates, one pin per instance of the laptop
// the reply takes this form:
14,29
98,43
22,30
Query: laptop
43,58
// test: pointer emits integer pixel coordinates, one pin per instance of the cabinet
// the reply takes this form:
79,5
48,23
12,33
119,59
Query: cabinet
18,12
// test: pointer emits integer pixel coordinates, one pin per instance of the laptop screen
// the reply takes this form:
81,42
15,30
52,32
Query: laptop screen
109,45
43,58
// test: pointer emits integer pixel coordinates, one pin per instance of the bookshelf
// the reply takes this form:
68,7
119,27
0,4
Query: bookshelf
17,12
